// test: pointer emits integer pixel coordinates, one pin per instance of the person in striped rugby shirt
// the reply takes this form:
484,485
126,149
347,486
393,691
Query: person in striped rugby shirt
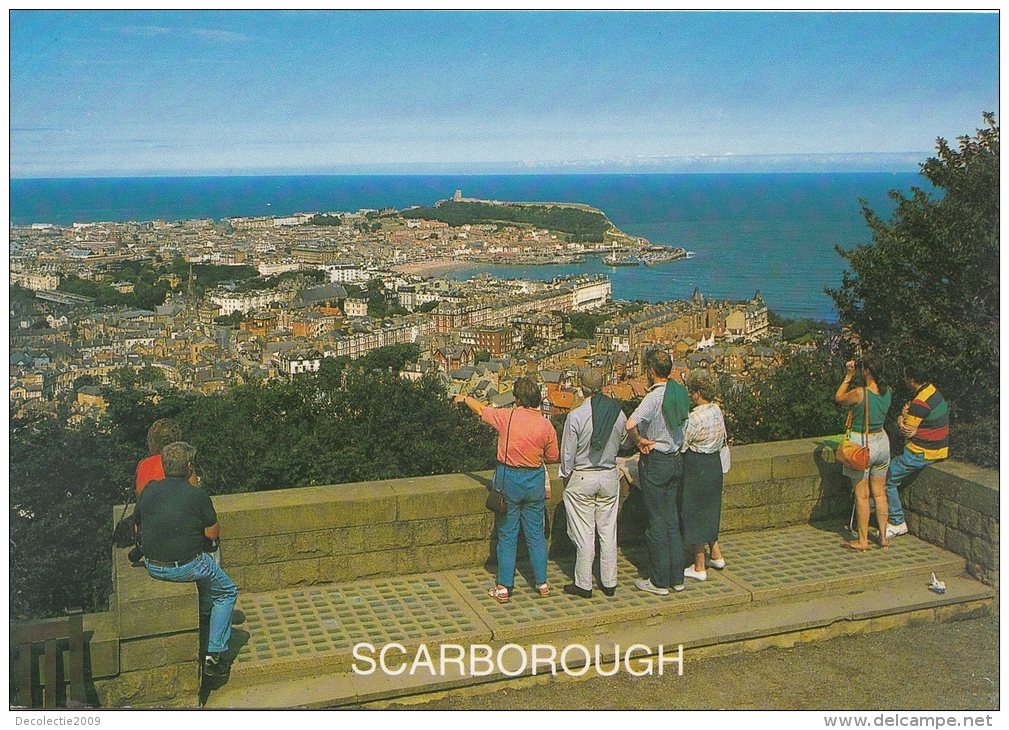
925,424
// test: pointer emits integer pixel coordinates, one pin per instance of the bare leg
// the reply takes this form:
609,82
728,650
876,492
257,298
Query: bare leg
716,552
862,512
698,551
878,486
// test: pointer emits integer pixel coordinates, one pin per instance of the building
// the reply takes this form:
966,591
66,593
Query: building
356,306
230,302
35,280
294,362
495,340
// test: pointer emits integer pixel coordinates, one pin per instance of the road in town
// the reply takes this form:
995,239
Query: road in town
951,666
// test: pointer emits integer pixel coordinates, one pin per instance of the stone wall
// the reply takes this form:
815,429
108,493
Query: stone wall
344,532
956,506
144,651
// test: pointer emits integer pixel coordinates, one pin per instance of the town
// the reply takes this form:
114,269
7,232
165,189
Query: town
204,305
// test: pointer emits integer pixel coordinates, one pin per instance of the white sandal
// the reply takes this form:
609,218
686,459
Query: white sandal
499,594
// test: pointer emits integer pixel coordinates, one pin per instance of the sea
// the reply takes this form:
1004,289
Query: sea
747,232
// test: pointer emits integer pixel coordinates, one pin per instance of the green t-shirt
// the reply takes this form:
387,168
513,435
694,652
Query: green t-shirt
878,406
172,515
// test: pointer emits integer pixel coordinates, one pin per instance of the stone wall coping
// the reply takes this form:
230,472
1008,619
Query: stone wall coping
984,477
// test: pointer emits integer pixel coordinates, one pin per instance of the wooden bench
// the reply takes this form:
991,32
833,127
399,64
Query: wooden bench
50,633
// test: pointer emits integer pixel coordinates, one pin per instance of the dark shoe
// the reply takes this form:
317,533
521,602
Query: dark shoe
608,591
214,666
573,590
136,555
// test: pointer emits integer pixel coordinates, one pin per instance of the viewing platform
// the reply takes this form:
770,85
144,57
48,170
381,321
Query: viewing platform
410,561
295,648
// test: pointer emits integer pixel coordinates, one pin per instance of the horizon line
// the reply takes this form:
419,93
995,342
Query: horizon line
792,163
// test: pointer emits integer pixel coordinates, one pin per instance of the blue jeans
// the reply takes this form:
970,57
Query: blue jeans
901,468
661,482
217,594
525,494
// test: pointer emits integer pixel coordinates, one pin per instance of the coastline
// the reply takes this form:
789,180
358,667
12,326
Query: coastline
433,267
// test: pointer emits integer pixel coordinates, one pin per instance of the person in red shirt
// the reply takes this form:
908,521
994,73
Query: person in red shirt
162,432
526,441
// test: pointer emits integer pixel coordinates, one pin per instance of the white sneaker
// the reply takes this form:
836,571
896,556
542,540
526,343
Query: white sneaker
895,530
647,585
679,588
690,572
717,564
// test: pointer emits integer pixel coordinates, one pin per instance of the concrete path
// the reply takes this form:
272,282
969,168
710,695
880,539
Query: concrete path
939,667
295,648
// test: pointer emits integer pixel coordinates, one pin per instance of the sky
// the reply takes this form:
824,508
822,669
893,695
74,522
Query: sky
137,93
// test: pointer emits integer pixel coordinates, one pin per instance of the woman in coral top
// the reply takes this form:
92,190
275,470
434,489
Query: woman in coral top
526,441
162,432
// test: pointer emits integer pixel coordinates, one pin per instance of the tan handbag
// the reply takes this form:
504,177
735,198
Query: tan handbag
852,455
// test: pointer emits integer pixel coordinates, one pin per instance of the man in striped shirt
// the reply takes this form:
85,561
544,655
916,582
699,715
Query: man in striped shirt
925,424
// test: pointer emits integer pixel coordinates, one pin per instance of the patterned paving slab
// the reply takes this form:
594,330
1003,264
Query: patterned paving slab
318,626
325,620
810,558
528,614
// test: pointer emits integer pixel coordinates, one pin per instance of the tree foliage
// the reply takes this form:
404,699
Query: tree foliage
353,421
583,325
794,401
926,290
585,225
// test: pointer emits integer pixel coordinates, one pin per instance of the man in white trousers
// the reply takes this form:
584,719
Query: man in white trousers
592,435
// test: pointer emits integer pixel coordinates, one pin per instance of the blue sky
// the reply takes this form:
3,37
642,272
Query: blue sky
177,93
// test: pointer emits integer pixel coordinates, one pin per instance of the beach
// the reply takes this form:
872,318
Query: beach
433,267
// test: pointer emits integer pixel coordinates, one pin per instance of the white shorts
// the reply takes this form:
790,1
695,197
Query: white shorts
879,456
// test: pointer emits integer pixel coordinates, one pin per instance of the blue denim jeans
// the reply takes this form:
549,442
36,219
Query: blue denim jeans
661,483
900,469
217,594
525,494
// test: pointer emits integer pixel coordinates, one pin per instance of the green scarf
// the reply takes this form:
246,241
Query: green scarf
675,404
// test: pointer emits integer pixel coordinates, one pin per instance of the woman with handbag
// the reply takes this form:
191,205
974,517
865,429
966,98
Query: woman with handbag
704,437
526,441
868,405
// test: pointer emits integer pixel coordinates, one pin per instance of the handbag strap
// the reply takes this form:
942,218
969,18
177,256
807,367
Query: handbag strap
508,435
126,506
865,397
865,426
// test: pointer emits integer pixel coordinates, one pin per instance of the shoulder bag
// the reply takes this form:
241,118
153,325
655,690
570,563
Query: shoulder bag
852,455
496,500
723,452
123,535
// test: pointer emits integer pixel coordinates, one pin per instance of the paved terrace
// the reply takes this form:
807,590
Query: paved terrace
324,568
294,648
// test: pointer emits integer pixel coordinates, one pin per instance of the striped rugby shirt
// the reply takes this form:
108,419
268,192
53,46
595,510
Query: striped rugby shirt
929,414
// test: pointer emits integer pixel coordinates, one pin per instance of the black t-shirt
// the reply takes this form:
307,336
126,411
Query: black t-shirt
172,515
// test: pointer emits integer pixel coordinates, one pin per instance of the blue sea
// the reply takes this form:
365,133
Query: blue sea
775,233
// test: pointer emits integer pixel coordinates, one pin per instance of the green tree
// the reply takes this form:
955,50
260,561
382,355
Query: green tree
926,290
794,401
63,483
583,326
481,356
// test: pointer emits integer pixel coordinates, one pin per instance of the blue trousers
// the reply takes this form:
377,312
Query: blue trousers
525,494
661,483
217,594
901,468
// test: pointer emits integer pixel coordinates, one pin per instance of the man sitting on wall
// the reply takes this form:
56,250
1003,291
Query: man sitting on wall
924,422
173,519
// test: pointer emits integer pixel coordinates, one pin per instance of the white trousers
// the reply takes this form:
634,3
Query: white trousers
591,499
